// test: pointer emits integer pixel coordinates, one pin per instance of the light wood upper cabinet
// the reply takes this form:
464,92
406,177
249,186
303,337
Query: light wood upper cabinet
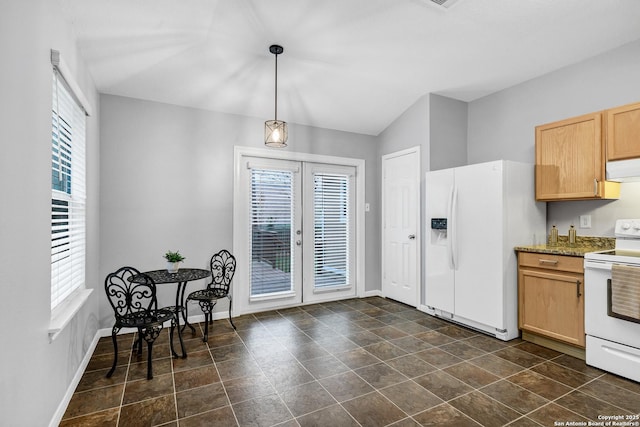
623,132
570,160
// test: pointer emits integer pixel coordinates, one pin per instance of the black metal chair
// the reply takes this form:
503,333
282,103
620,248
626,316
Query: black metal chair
223,267
135,305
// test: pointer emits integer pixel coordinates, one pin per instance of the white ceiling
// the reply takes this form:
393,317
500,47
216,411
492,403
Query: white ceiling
352,65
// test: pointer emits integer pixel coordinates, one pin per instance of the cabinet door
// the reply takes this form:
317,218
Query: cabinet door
552,304
569,159
623,132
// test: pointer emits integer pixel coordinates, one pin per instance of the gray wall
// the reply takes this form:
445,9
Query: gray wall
502,125
447,132
35,374
167,183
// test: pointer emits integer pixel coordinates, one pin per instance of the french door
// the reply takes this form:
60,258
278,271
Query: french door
298,224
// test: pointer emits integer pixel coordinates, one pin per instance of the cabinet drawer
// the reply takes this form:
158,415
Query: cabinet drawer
551,262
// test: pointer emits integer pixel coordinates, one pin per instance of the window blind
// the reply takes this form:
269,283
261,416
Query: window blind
68,193
272,213
331,230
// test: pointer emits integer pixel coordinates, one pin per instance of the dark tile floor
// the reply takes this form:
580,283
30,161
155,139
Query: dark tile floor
361,362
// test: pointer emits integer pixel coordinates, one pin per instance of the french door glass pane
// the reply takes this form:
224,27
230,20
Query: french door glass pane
272,213
331,230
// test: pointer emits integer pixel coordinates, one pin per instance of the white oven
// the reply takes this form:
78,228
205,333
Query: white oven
613,343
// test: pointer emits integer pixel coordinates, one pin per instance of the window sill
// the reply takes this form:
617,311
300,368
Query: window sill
62,315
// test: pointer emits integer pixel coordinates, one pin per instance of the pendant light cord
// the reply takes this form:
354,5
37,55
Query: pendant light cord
276,97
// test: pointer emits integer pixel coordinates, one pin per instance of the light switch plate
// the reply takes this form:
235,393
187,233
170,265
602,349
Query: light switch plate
585,221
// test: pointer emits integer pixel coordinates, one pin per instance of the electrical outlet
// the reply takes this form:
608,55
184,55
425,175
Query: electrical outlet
585,221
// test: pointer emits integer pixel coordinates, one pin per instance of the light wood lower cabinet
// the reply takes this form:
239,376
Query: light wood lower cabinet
551,297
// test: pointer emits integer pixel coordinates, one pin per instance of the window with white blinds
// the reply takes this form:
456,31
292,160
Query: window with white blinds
272,213
68,193
331,230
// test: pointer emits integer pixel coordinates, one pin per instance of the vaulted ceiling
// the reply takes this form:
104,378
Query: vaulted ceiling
352,65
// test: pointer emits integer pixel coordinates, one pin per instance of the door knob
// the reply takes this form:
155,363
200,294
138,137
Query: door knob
412,236
298,242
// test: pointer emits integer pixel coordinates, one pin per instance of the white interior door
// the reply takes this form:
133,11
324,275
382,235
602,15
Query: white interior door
401,226
297,223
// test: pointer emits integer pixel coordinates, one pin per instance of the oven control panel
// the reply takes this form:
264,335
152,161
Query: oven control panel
628,228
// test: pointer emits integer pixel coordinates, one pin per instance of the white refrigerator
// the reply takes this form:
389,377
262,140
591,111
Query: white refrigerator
476,215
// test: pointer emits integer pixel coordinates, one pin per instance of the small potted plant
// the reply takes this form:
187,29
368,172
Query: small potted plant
173,261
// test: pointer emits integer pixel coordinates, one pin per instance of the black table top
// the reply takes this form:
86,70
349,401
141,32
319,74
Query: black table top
182,275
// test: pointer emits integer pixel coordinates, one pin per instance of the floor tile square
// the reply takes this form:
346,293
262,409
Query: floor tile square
373,409
202,399
389,332
471,374
196,377
346,386
222,416
86,402
443,385
385,350
357,358
605,390
411,397
539,384
411,344
150,412
138,390
323,367
247,388
519,357
332,416
262,411
307,398
380,375
551,413
497,365
515,397
484,410
444,415
561,374
589,406
411,365
106,418
438,358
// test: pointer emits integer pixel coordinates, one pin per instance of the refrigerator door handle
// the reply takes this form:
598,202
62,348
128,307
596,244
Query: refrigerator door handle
454,229
450,228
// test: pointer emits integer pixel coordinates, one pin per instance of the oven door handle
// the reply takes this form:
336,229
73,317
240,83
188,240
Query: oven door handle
597,265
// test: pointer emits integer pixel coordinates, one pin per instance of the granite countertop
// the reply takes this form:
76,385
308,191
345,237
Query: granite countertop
583,245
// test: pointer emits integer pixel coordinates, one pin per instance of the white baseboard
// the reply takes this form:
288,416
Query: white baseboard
374,293
62,407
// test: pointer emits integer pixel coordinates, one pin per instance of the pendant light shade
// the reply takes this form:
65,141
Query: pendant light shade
275,131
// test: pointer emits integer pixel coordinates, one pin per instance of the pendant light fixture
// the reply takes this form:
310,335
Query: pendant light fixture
275,131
